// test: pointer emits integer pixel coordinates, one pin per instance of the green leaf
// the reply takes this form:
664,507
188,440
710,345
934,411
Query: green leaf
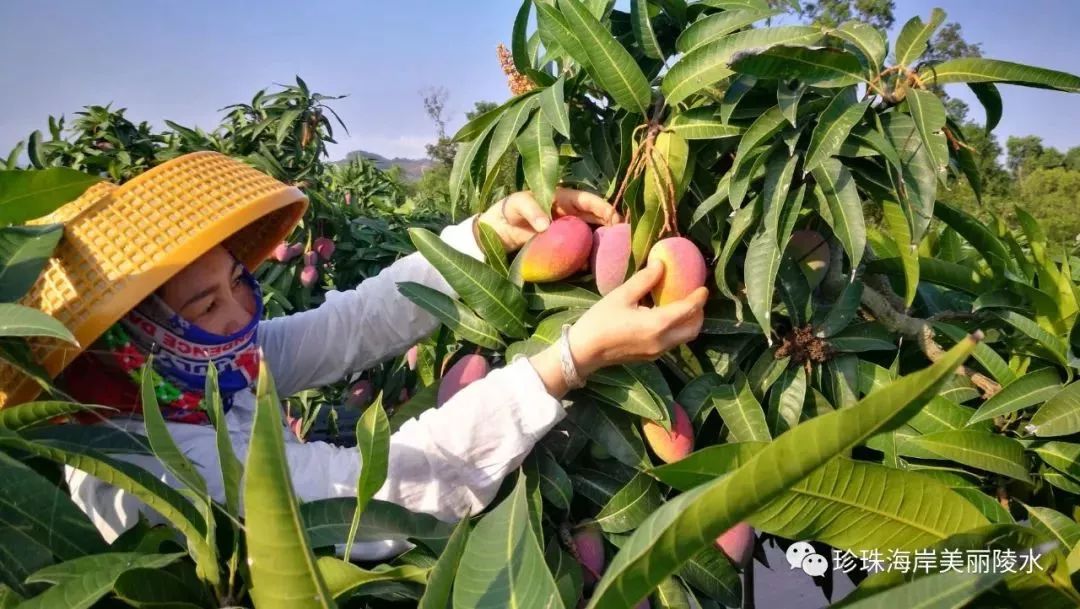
1060,415
701,124
283,569
945,590
550,296
764,127
611,65
503,565
567,573
30,414
555,484
920,174
1054,525
977,69
26,195
18,320
540,159
553,105
455,315
1027,390
505,132
83,581
762,263
712,573
630,505
990,98
493,297
474,130
741,412
232,470
373,442
163,445
787,97
24,251
818,67
492,247
344,579
684,525
786,400
929,115
1053,345
840,193
978,449
860,337
441,577
833,127
717,25
864,506
865,38
670,149
842,311
708,62
913,38
643,30
553,27
705,465
614,431
328,522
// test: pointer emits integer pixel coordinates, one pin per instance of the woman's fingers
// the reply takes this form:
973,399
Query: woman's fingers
585,205
522,208
640,283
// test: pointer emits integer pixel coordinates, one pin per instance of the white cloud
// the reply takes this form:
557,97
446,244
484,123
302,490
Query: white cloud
390,146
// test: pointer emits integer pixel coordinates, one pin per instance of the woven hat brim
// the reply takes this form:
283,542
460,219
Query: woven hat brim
121,243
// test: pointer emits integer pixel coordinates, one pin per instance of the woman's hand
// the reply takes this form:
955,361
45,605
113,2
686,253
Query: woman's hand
518,217
618,330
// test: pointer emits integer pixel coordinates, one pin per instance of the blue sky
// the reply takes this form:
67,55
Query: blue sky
185,60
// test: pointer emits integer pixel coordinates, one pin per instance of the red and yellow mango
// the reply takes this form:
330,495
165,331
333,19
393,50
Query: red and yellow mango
557,253
684,269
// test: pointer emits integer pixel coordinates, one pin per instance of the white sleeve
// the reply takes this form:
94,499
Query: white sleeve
355,329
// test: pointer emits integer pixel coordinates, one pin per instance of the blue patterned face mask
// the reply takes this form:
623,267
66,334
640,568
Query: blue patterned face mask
183,351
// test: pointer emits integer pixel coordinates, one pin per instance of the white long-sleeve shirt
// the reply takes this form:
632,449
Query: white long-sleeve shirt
448,462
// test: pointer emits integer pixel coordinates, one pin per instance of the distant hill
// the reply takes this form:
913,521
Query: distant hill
412,169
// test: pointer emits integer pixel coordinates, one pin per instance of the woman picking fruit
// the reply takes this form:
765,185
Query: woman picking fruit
179,284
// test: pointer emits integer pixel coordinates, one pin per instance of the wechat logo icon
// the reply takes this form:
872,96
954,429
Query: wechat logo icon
801,555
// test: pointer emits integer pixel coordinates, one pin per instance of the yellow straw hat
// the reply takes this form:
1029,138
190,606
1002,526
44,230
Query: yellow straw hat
121,243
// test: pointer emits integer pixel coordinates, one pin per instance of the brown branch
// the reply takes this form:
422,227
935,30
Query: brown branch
922,332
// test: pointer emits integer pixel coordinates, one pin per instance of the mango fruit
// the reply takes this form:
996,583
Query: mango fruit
360,394
468,369
589,544
311,258
308,276
670,447
610,256
738,544
285,252
684,269
411,356
557,253
811,251
324,247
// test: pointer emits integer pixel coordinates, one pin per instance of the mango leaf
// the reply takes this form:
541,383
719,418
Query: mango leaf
705,465
25,195
612,430
842,312
540,159
845,207
935,591
990,98
920,174
986,356
786,400
503,136
328,521
707,63
24,251
1054,525
553,106
503,564
1060,415
979,449
630,505
643,29
866,39
833,127
550,296
373,443
702,124
860,337
30,414
19,320
83,581
1053,345
453,314
232,470
1062,456
283,569
611,64
683,526
979,236
163,445
566,571
493,297
977,69
717,25
555,484
762,264
929,115
672,151
441,578
819,67
344,579
913,38
1027,390
712,573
